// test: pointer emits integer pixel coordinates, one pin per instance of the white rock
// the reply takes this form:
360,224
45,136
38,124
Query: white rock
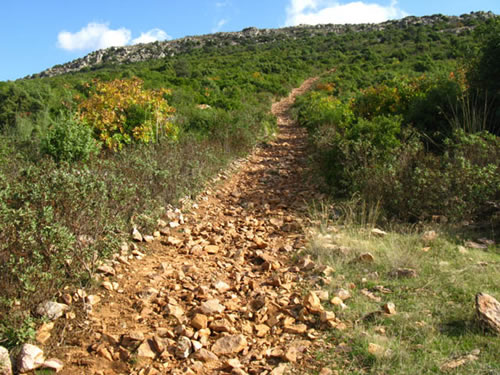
30,358
5,364
221,286
183,348
52,310
53,364
136,235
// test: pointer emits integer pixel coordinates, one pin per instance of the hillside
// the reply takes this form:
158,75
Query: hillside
252,36
307,199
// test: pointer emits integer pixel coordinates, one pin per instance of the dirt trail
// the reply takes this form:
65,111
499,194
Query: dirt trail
227,261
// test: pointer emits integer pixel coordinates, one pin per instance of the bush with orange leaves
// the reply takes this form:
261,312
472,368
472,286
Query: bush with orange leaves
122,112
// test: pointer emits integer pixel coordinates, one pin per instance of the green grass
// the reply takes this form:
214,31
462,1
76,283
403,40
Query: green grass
435,320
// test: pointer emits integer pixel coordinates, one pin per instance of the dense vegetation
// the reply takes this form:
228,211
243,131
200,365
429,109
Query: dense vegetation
82,160
416,136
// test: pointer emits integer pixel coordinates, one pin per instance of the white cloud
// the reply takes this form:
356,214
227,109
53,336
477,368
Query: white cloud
152,36
314,12
96,36
219,25
93,36
222,4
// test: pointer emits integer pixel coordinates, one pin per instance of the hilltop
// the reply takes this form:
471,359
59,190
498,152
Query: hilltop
252,35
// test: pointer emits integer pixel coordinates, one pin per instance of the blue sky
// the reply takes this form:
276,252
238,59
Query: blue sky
35,34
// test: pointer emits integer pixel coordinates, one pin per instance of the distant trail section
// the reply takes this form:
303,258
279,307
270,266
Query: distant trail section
217,292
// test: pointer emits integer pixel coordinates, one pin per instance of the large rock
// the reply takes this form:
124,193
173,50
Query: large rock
30,358
52,310
231,344
5,364
488,311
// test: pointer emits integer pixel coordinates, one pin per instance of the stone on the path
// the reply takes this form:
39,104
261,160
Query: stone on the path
313,303
199,321
231,344
488,311
148,238
183,347
212,306
108,285
157,344
51,310
105,353
5,363
212,249
132,339
261,330
146,351
295,328
53,364
175,311
206,355
106,270
280,370
173,241
233,363
93,299
136,235
30,358
44,331
221,286
291,354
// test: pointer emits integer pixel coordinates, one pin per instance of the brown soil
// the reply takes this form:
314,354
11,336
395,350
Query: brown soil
241,232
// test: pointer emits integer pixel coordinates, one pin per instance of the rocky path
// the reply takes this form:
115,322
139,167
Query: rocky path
217,292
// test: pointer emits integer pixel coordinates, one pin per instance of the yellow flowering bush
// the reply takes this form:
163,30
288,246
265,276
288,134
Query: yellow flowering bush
122,111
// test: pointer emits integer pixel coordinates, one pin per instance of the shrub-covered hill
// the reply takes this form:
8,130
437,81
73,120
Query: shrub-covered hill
88,154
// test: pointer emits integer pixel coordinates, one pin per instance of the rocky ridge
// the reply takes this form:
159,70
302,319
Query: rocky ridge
251,35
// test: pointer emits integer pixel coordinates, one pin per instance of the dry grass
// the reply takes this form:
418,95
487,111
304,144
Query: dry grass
435,320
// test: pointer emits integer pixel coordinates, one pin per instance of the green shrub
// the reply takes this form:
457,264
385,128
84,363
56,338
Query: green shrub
69,139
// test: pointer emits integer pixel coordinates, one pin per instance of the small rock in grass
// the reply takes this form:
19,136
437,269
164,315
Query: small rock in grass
488,311
389,308
429,236
366,257
378,232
